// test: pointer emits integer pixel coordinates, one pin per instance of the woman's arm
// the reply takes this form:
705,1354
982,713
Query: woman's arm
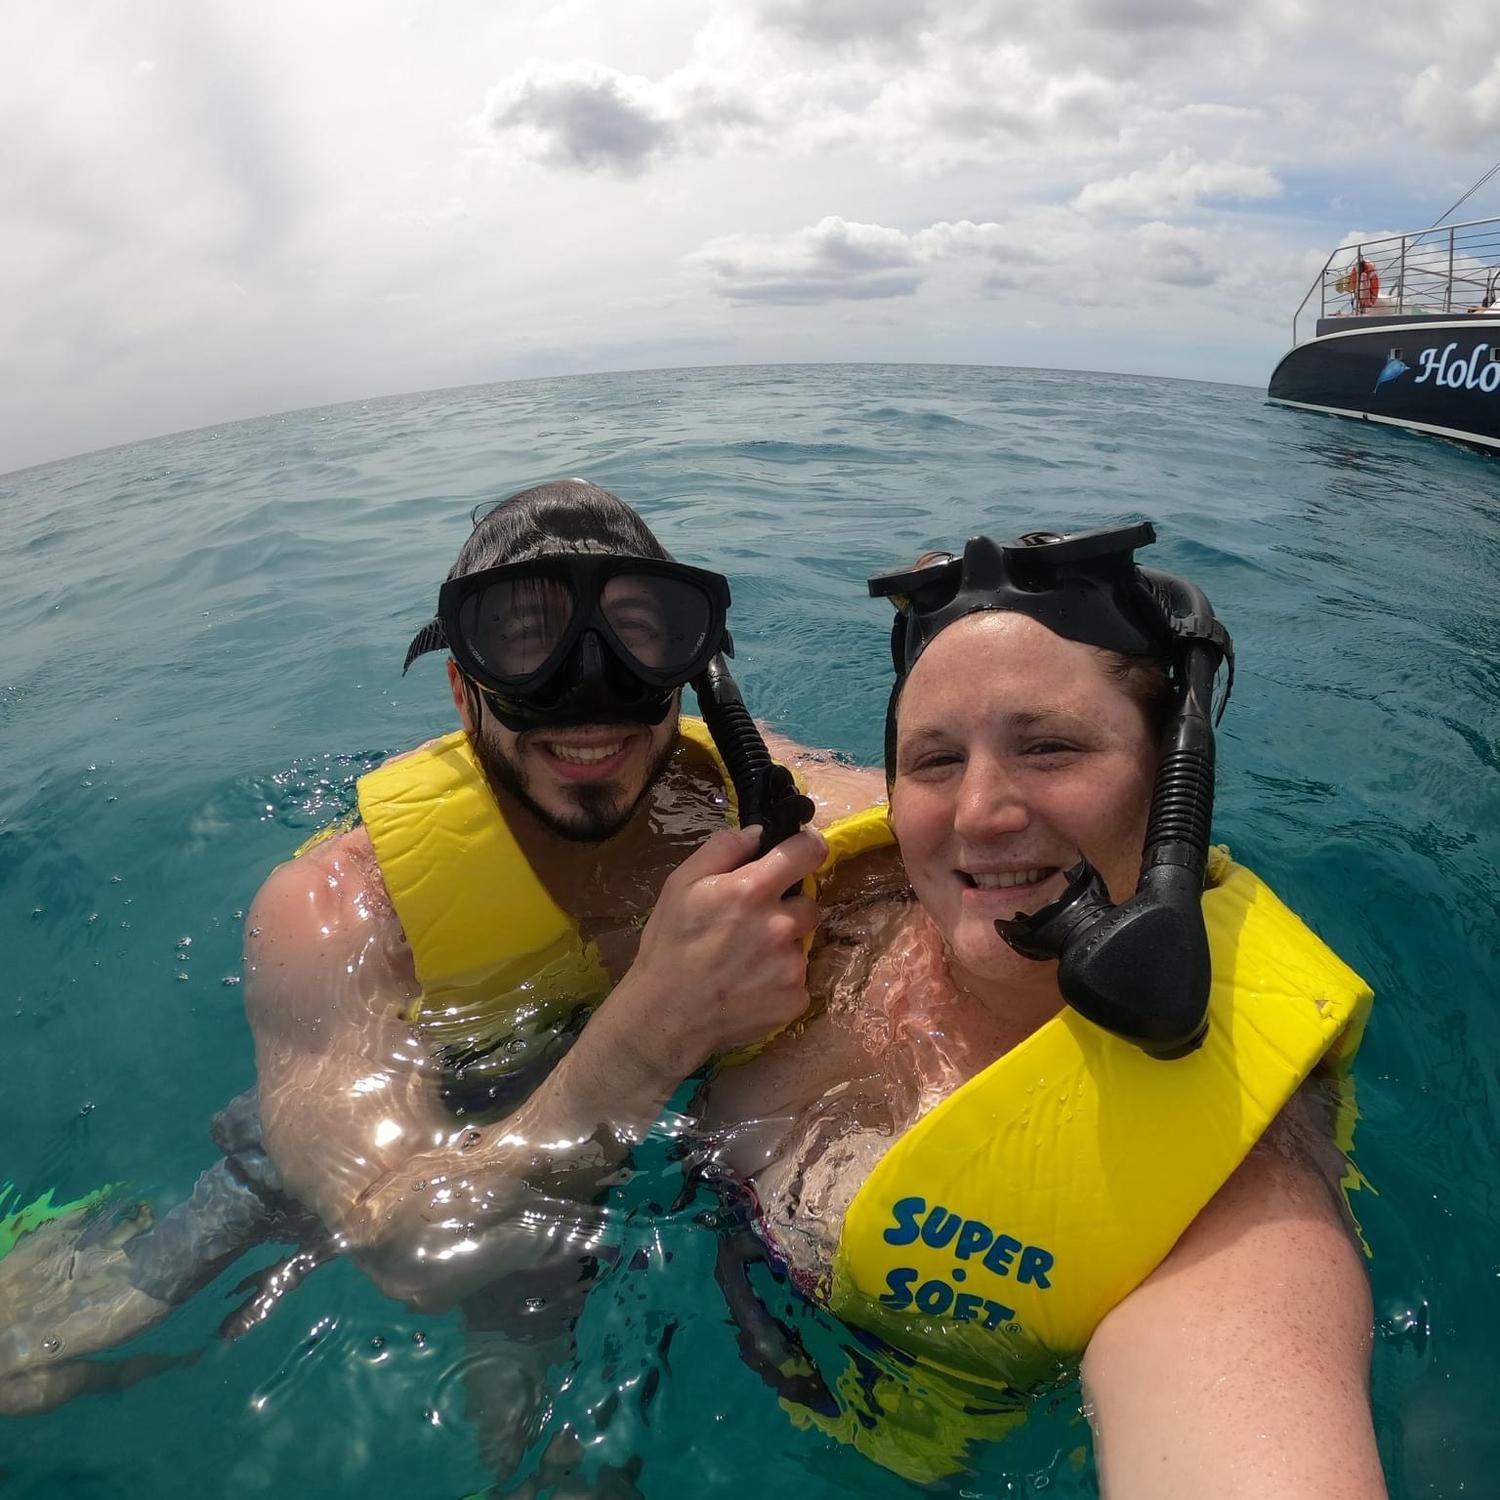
1239,1369
836,787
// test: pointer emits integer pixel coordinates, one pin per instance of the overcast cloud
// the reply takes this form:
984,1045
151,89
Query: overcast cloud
216,212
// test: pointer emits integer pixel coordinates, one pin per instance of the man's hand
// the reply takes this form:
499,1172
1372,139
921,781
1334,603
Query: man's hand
722,962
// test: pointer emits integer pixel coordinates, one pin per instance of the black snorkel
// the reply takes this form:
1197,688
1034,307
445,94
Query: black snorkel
1140,969
767,795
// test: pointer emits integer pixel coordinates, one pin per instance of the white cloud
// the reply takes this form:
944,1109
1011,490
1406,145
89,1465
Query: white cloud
212,212
1450,110
1056,253
849,22
582,115
1175,256
1179,181
830,261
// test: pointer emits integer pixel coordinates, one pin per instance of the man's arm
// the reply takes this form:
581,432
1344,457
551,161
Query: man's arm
1240,1367
431,1207
835,787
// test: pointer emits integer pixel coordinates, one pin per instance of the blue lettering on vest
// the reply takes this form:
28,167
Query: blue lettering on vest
999,1256
899,1281
934,1297
973,1238
966,1239
937,1231
997,1312
904,1211
966,1307
1035,1263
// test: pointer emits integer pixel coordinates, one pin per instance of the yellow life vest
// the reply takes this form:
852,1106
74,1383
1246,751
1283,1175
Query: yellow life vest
494,953
854,834
492,950
996,1233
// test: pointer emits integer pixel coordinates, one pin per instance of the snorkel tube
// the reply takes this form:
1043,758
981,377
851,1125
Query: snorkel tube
768,797
1141,969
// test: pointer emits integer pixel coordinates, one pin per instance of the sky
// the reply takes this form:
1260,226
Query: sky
210,212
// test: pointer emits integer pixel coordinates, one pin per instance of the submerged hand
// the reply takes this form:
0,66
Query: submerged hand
722,962
60,1299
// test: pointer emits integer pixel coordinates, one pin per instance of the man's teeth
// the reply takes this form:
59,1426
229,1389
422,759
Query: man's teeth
1006,881
585,755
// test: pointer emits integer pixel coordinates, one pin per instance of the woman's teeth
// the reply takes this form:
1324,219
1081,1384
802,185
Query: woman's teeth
585,755
1004,882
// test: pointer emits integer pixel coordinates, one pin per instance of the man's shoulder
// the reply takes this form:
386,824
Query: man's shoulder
318,918
315,887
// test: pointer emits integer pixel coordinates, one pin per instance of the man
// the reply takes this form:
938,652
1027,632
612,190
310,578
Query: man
462,1016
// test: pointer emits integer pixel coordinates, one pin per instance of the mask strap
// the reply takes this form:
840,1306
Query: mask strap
474,697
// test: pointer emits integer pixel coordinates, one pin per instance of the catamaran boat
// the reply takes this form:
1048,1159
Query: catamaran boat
1404,330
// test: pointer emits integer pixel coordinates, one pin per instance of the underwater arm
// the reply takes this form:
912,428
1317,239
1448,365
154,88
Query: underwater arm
434,1207
429,1204
349,1100
835,787
1240,1367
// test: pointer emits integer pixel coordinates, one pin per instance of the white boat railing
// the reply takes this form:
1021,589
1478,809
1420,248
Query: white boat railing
1450,268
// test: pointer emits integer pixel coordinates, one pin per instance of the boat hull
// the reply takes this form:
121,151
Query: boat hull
1431,375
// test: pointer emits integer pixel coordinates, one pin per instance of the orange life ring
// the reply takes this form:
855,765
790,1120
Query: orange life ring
1366,285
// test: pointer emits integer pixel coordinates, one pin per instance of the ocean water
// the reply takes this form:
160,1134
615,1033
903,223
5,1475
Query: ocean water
200,648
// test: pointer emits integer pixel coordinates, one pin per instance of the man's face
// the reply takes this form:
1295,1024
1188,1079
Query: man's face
584,782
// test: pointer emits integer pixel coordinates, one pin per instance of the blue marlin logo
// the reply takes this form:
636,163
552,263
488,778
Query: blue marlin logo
1393,368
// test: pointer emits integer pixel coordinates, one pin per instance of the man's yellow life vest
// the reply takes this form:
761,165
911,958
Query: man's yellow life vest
495,955
996,1233
493,951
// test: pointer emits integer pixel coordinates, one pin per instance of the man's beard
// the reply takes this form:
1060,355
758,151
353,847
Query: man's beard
598,812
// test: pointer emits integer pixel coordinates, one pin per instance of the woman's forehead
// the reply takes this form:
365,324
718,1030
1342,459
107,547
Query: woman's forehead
1007,662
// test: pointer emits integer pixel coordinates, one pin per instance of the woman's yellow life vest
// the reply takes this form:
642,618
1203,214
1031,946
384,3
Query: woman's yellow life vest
996,1233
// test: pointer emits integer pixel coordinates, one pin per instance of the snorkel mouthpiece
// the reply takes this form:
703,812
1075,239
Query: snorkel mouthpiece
1142,969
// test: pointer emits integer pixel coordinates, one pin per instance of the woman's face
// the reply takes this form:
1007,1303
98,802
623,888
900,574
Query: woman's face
1016,754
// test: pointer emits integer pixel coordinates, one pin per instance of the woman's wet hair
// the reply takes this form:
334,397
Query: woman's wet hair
1147,682
568,515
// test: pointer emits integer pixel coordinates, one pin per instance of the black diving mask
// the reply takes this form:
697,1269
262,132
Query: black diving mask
1140,969
575,638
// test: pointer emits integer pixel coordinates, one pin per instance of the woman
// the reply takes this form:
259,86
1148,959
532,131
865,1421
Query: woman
954,1159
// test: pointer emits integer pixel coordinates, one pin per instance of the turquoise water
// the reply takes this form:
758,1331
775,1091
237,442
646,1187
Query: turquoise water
201,647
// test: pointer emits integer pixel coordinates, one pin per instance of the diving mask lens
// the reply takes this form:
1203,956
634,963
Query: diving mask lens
516,625
660,624
515,628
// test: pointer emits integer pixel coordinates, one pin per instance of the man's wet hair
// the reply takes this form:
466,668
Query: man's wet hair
567,515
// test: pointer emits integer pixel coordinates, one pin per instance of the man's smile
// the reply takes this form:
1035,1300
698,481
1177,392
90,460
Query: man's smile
589,753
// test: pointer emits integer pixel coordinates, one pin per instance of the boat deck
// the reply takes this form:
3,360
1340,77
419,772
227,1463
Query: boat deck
1432,274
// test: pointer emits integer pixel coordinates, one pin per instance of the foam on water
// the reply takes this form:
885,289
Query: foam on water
201,650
